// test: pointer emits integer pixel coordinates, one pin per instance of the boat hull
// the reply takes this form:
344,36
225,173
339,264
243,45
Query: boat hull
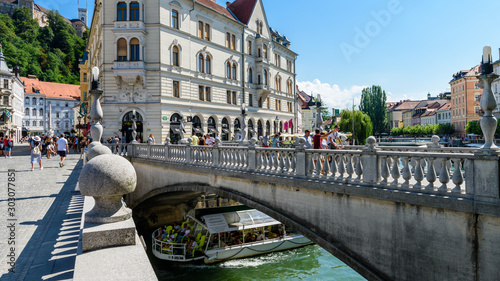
256,248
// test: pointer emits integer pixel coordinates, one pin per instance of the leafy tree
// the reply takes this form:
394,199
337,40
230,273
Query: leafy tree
473,127
362,124
51,53
373,103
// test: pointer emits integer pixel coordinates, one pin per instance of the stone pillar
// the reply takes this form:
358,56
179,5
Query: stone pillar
301,163
485,173
149,151
435,142
215,153
252,155
371,162
167,147
188,150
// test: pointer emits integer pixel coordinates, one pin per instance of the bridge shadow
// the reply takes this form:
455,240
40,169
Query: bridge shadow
51,251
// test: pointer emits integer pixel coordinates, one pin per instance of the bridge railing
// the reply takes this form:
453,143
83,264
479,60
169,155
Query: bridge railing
436,171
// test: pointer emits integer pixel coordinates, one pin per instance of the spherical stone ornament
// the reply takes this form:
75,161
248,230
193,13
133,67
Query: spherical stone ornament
97,150
253,141
435,139
302,140
107,178
371,140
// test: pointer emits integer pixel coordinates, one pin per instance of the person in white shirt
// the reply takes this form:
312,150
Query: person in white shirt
62,148
330,140
307,136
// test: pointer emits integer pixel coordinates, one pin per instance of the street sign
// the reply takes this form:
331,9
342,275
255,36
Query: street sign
164,118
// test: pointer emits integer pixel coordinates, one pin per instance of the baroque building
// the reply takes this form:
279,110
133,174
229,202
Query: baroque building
11,101
194,61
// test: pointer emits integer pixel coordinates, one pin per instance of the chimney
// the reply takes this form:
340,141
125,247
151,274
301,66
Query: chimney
228,4
16,71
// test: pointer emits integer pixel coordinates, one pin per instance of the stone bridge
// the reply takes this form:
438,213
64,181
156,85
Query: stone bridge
395,213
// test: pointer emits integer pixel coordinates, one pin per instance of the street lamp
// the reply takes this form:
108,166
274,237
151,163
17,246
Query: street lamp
243,125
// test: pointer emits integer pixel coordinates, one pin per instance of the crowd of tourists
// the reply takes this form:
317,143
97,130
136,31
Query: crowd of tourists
182,233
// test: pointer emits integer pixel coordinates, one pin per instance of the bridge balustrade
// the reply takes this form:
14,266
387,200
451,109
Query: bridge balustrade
436,171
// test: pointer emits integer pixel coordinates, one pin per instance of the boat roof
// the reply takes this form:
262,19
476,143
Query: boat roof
237,220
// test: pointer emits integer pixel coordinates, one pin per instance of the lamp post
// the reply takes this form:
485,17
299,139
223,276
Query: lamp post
243,125
488,102
276,124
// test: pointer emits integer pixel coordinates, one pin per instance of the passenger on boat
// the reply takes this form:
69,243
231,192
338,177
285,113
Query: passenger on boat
261,236
192,244
177,227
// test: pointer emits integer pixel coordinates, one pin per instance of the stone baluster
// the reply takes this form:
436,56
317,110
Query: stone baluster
259,160
252,157
288,163
274,162
318,167
350,168
166,150
188,152
333,166
358,169
457,177
395,174
310,164
444,176
281,163
406,173
431,175
216,154
326,166
341,167
385,170
418,175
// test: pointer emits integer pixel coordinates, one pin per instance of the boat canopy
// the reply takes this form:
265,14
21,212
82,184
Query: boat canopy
225,222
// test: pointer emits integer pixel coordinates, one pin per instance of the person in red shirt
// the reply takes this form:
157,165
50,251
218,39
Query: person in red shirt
8,148
318,137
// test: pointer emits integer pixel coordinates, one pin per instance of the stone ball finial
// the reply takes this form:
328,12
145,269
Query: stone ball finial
371,141
261,138
343,137
167,140
96,150
253,141
435,139
302,141
190,140
107,178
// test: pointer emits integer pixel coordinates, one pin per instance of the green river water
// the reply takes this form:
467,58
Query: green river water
306,263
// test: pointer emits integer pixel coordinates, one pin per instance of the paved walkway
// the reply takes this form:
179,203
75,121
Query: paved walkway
47,217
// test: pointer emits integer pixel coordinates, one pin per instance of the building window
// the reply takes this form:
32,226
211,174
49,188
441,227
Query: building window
234,98
175,56
134,49
233,73
175,19
6,84
122,11
57,115
40,123
85,77
201,62
268,100
66,125
41,112
233,42
201,91
66,115
33,112
477,97
250,47
26,100
277,60
265,77
228,70
122,49
278,83
289,65
66,105
228,40
265,51
176,89
134,11
33,101
250,99
207,32
278,105
208,64
200,29
208,95
228,97
289,107
250,75
27,111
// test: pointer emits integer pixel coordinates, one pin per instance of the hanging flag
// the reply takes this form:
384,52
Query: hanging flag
8,114
285,126
290,124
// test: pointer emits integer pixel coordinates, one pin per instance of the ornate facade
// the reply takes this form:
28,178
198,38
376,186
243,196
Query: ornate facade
194,60
11,101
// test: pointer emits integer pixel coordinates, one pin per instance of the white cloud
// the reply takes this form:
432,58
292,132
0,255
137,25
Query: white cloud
332,95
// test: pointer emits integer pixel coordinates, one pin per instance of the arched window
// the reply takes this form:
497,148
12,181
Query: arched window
201,61
289,86
34,112
250,75
134,11
41,112
27,111
250,47
122,49
27,100
175,19
175,56
278,83
233,73
121,11
265,77
33,101
134,49
265,51
228,70
208,64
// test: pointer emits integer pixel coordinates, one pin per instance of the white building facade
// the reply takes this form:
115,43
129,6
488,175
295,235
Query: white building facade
11,101
191,59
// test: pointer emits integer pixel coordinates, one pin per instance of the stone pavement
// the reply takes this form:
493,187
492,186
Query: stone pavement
46,217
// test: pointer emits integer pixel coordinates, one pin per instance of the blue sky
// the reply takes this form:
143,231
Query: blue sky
408,47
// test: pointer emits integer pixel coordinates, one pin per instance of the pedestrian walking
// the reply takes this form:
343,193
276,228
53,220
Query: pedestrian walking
8,145
36,152
151,139
62,149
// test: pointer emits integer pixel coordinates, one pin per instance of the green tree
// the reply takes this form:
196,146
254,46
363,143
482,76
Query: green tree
373,103
362,124
473,127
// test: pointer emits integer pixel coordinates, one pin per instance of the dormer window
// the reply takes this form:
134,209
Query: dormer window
122,11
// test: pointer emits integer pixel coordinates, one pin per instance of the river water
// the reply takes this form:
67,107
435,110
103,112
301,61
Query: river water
306,263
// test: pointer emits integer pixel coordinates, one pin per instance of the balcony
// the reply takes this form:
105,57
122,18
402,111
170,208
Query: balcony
129,25
119,65
129,71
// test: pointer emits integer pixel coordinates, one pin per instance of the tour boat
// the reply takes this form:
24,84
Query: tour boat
226,233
